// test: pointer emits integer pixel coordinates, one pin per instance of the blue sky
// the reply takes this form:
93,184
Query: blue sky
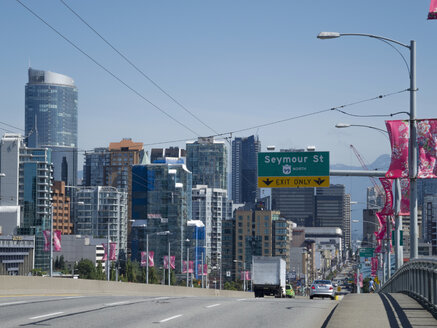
234,64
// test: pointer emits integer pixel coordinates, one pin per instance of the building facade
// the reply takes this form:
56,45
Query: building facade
244,169
429,219
61,209
102,212
161,197
17,255
36,181
295,204
207,160
51,120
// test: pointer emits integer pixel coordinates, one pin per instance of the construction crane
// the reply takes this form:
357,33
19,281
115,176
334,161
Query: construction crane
363,164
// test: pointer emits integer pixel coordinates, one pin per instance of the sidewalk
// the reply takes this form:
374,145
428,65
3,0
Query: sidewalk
380,311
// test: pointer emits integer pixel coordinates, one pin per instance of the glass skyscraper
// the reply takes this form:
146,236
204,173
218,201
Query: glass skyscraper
51,120
207,160
244,169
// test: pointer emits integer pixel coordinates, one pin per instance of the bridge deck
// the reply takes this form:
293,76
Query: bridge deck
380,311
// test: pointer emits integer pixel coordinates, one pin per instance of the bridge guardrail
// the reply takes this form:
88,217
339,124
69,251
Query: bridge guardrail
418,279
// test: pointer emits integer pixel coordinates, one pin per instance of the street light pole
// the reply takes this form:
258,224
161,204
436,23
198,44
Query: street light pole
188,260
169,260
147,260
107,253
412,151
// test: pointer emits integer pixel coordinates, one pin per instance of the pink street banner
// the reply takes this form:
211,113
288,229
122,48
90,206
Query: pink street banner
405,197
190,266
427,144
245,275
387,184
105,254
432,14
205,269
144,259
172,262
399,134
57,241
374,266
112,251
46,234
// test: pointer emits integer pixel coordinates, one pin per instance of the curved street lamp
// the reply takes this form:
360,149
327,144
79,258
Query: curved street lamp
412,153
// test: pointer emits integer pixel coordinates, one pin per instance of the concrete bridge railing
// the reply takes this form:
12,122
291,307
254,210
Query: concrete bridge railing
418,279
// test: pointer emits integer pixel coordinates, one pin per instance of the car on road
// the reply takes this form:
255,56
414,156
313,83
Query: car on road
322,288
289,292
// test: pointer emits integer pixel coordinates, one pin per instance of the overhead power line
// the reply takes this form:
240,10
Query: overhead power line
107,70
137,68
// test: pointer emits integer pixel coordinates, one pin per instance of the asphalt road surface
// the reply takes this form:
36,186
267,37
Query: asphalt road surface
124,311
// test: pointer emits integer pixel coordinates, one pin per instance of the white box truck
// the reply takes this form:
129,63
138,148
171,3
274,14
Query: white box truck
268,276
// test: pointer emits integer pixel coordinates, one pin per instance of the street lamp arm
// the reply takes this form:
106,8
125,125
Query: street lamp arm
376,37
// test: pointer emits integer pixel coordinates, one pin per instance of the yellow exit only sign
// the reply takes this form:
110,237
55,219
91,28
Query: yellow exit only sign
293,182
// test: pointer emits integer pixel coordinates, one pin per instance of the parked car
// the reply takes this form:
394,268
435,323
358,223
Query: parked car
322,288
289,292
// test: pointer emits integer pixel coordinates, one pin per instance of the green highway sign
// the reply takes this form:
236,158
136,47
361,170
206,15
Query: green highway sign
366,252
293,164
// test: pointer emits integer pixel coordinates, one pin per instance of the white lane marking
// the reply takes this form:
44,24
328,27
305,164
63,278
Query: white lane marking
70,297
118,303
161,298
171,318
12,303
213,305
241,299
45,315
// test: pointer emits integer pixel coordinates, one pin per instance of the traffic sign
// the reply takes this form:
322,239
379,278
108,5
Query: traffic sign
293,182
293,169
293,164
366,252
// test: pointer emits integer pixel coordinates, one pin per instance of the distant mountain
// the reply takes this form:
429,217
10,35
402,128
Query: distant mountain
357,188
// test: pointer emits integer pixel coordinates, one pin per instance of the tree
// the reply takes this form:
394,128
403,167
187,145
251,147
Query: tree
86,269
154,276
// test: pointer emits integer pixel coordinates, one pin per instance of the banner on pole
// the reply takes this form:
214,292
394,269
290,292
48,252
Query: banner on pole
105,252
46,234
432,14
387,184
427,143
399,134
172,262
57,241
112,251
144,259
405,197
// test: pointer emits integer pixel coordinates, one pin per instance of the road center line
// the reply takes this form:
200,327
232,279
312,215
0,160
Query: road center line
213,305
117,303
45,315
171,318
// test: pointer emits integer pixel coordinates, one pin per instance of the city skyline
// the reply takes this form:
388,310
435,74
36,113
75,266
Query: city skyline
233,66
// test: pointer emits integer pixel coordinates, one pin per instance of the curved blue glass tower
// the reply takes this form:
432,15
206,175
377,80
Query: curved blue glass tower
51,120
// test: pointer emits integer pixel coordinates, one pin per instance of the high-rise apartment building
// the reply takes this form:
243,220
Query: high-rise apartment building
61,209
330,206
295,204
10,146
161,198
375,197
207,160
346,227
211,206
35,186
159,155
244,169
112,166
51,120
102,211
254,232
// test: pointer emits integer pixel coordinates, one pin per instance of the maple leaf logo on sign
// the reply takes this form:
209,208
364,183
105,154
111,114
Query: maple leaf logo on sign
286,169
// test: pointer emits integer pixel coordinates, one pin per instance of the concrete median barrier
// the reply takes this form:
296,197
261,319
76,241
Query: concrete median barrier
20,285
